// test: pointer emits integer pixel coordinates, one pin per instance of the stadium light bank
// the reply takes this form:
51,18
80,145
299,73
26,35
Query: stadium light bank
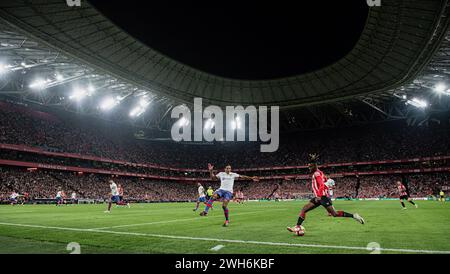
73,3
213,130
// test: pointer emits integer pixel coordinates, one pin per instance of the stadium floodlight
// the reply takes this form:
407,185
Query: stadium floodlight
135,112
209,124
143,103
38,84
59,77
418,103
3,68
441,87
236,124
183,121
120,98
91,90
108,103
78,94
233,125
140,108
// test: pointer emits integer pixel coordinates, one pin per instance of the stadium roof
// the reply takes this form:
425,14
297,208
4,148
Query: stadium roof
399,39
404,49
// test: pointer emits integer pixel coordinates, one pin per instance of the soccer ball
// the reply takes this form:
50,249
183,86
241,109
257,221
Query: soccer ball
299,231
330,183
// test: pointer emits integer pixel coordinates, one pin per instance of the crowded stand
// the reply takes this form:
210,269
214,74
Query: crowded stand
24,126
41,184
40,153
45,184
29,157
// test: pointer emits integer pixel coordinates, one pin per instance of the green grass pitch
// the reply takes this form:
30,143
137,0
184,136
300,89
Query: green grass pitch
255,227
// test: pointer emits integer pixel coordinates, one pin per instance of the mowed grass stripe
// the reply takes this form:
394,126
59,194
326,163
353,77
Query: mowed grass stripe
413,229
227,240
183,220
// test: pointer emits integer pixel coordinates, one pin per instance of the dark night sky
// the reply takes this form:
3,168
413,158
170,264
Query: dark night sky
257,40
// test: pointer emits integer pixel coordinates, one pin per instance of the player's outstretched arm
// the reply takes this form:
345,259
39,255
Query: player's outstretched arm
254,178
211,173
313,157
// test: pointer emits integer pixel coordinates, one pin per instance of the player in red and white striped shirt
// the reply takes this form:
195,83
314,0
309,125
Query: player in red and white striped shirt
322,198
404,195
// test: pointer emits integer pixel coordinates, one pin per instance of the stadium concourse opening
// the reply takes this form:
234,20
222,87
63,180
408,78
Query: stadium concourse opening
359,98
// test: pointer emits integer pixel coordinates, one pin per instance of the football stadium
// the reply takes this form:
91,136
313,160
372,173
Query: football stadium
194,128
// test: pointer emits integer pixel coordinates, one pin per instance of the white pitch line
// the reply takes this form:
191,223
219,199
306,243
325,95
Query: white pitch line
217,247
226,240
181,220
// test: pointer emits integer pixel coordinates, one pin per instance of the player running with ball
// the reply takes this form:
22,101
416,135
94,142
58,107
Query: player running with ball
225,192
322,198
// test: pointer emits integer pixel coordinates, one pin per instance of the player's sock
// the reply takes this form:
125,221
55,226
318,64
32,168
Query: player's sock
209,205
344,214
225,212
412,202
403,204
301,218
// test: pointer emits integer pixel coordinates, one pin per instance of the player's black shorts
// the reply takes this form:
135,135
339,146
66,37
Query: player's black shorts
442,197
324,201
404,197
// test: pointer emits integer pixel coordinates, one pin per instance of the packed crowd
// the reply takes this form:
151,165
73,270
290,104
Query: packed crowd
44,185
25,126
61,161
418,185
20,125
